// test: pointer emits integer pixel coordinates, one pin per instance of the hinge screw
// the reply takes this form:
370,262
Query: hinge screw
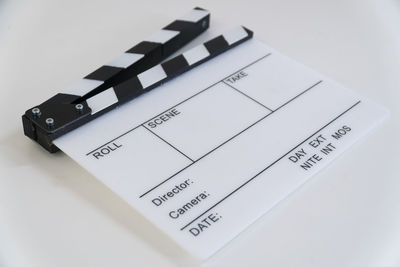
79,107
36,112
50,122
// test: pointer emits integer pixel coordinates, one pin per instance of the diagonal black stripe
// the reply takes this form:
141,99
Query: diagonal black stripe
175,66
128,89
180,26
145,48
104,73
217,44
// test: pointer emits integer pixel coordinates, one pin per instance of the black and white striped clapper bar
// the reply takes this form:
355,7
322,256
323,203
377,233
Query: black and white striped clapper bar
131,74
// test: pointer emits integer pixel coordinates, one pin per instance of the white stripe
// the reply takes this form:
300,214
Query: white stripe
235,35
125,60
82,87
162,36
151,76
196,54
102,100
195,15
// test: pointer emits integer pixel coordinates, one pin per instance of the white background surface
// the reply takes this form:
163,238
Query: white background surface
53,213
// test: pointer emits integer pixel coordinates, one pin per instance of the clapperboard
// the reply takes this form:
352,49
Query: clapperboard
225,131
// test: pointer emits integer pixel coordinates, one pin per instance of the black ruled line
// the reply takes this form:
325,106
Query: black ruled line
168,143
249,97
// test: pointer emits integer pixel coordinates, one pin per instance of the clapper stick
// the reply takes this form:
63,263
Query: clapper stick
164,72
127,77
